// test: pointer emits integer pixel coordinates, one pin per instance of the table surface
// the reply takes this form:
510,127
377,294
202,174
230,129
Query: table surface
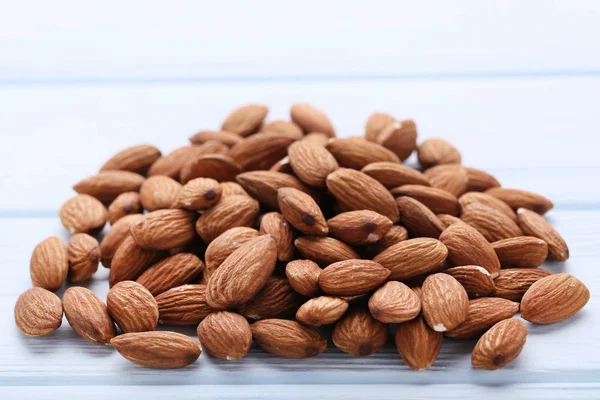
514,85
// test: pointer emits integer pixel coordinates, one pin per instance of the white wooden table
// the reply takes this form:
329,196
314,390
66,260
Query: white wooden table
515,85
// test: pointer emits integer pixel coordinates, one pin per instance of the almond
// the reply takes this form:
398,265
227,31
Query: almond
358,191
283,127
418,219
107,185
452,178
448,220
170,164
209,147
400,137
412,257
300,210
277,299
243,274
394,302
49,264
521,251
359,334
232,189
88,316
226,243
554,298
115,236
445,302
483,314
230,212
134,159
351,277
132,307
476,280
324,250
263,185
225,335
157,349
159,192
303,276
173,271
517,198
274,224
437,200
125,204
227,138
282,166
83,214
391,174
245,120
198,194
512,283
183,305
396,234
316,137
376,123
38,312
288,339
535,225
215,166
437,151
487,200
466,246
480,181
323,310
311,119
164,229
500,345
311,162
129,261
492,224
83,253
417,343
356,153
359,227
260,151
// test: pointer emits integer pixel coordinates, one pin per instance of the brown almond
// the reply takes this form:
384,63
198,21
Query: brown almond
88,316
356,153
359,227
134,159
492,224
164,229
170,164
450,177
323,310
400,137
391,174
83,252
125,204
413,257
225,335
394,302
215,166
418,219
311,119
352,277
396,234
359,334
107,185
129,261
483,314
198,194
49,264
517,198
437,200
260,151
38,312
311,162
448,219
480,181
512,283
232,189
288,339
245,120
417,343
159,192
301,210
171,272
500,345
487,200
226,243
535,225
115,236
437,151
476,280
317,137
274,224
183,305
324,250
444,301
521,252
376,123
303,276
277,299
132,307
230,212
227,138
283,166
263,185
83,214
284,128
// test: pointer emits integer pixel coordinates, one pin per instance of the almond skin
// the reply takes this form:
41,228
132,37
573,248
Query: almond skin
400,137
132,307
352,277
164,229
171,272
283,127
115,236
157,349
288,339
324,250
394,302
107,185
376,123
88,316
553,299
396,234
444,301
159,192
323,310
83,253
215,166
311,119
317,137
283,166
521,252
277,299
451,178
83,214
483,314
517,198
391,174
49,264
437,200
466,246
512,283
183,305
226,243
359,227
260,151
245,120
417,343
359,334
311,162
243,274
134,159
225,335
356,153
228,213
300,210
198,194
263,185
125,204
437,151
448,220
492,224
38,312
535,225
479,181
412,257
129,261
225,137
419,220
500,345
274,224
476,280
232,189
170,164
303,276
487,200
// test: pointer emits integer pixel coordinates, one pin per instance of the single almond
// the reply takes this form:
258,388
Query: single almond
323,310
38,312
317,137
449,177
260,151
226,243
324,250
311,162
535,225
183,305
437,151
500,345
358,333
225,335
517,198
159,192
359,227
311,119
476,280
376,123
356,153
107,185
83,252
352,277
492,224
391,174
263,185
444,301
417,343
414,257
448,219
277,299
437,200
171,272
232,189
400,137
521,252
132,307
395,235
125,204
115,236
487,200
198,194
49,264
134,159
164,229
170,164
228,138
483,314
394,302
303,276
480,181
418,219
288,339
88,316
83,214
245,120
301,210
288,128
215,166
129,261
274,224
512,283
230,212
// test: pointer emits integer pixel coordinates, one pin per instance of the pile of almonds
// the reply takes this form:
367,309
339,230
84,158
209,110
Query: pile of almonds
285,225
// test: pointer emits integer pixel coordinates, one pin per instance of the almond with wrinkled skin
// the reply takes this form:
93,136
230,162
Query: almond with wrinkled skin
492,224
444,301
356,153
226,243
351,277
288,339
413,257
83,253
317,137
83,214
159,192
115,236
490,201
157,349
417,343
125,204
500,345
535,225
311,119
376,123
356,190
303,276
228,213
88,316
164,229
521,252
466,246
171,272
400,137
38,312
391,174
448,219
324,250
450,177
209,147
396,234
49,264
476,280
512,283
437,200
517,198
483,314
225,335
129,261
419,220
553,299
132,307
277,299
437,151
263,185
284,128
480,181
301,210
243,274
232,189
215,166
170,164
323,310
274,224
183,305
359,227
394,302
311,162
107,185
245,120
198,194
260,151
359,334
134,159
227,138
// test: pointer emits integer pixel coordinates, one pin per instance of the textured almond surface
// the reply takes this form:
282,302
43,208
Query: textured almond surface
300,210
245,120
125,204
418,219
88,316
204,136
450,178
198,194
283,127
323,310
413,257
517,198
359,227
500,345
132,307
83,214
396,234
356,153
115,236
277,299
173,271
49,264
275,224
394,302
535,225
483,314
230,212
215,166
164,229
226,243
288,339
83,253
311,119
400,137
135,159
303,276
359,334
444,301
417,343
351,277
232,189
107,185
129,261
487,200
392,174
437,200
170,164
479,181
324,250
476,280
263,185
183,305
38,312
260,151
311,162
492,224
437,151
512,283
522,251
159,192
376,123
225,335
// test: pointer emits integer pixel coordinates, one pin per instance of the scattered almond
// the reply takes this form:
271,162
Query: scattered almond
444,301
500,345
351,277
230,212
414,257
159,192
451,178
115,236
400,137
394,302
517,198
311,162
83,214
88,316
417,343
277,299
198,194
437,200
288,339
263,185
492,224
487,200
535,225
303,276
483,314
107,185
38,312
392,174
359,334
83,253
132,307
311,119
183,305
125,204
476,280
418,219
480,181
227,138
134,159
164,229
245,120
324,250
215,166
300,210
359,227
356,153
512,283
49,264
274,224
436,151
521,251
323,310
225,335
